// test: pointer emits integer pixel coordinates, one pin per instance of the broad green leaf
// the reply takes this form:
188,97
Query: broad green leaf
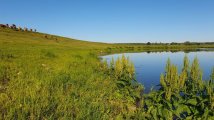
192,102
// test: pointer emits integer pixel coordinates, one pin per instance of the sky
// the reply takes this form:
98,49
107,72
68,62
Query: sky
115,21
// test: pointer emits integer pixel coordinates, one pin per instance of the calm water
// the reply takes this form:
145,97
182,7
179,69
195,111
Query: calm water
149,66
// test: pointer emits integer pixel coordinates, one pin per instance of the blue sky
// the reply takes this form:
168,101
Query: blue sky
115,20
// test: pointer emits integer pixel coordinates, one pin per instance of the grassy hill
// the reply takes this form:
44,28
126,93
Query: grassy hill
51,77
45,76
23,38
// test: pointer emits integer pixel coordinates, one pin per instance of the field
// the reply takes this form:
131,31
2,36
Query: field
45,76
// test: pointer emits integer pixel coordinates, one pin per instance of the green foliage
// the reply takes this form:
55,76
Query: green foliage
49,54
186,65
44,79
210,89
181,96
196,76
172,82
123,72
64,79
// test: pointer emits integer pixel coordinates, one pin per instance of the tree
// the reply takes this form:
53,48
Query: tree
148,43
187,43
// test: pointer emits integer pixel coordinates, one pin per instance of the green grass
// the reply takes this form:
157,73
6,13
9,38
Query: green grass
43,78
55,77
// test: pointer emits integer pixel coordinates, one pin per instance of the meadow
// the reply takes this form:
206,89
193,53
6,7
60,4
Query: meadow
46,76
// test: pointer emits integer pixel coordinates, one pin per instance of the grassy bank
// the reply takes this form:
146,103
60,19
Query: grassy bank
51,77
55,78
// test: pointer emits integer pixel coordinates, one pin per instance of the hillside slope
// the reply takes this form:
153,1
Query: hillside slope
12,37
51,77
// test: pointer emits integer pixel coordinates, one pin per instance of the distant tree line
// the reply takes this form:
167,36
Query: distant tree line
191,43
172,43
14,27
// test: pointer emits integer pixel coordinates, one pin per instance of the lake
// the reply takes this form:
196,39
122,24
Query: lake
150,65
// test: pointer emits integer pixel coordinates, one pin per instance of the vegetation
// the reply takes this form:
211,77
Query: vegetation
181,96
50,77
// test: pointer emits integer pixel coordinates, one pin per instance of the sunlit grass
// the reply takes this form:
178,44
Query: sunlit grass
60,78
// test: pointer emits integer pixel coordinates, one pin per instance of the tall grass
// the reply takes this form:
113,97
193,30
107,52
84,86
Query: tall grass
46,79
